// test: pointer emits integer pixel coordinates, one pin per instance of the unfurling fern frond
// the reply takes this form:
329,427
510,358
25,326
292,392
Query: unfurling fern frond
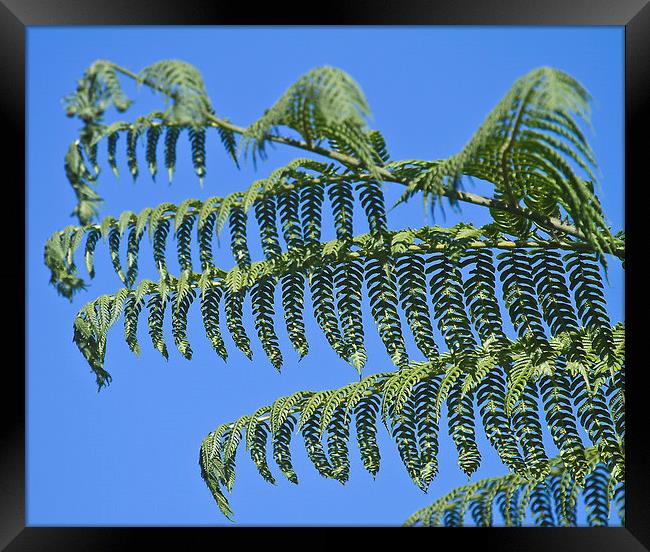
98,89
324,104
408,402
527,148
548,499
184,84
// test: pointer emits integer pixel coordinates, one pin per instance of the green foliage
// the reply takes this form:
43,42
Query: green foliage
409,402
527,148
324,104
536,267
550,500
337,271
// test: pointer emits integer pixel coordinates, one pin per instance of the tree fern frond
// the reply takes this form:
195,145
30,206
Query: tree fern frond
540,257
182,82
407,401
549,499
530,139
336,271
325,103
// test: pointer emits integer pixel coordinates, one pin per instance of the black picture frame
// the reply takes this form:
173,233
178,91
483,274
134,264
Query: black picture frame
16,15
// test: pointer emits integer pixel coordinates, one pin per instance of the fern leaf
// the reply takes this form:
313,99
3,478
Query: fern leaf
382,291
234,303
262,298
348,278
410,270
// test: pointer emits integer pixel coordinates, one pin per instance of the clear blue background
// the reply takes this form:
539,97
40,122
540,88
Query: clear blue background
128,455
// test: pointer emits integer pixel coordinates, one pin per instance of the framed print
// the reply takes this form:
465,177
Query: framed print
368,270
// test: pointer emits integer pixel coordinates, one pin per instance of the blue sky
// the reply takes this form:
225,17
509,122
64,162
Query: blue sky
128,455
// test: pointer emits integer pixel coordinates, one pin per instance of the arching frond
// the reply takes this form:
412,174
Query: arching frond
407,401
550,501
337,271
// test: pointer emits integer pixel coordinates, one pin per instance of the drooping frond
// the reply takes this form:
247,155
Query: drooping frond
409,404
143,137
337,271
285,182
549,501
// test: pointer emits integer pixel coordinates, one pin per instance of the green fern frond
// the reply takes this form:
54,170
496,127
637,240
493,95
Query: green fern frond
408,401
98,89
184,84
336,271
383,295
526,148
324,104
348,279
412,287
551,499
540,258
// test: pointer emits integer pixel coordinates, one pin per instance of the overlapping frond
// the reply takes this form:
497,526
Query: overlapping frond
409,402
549,501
